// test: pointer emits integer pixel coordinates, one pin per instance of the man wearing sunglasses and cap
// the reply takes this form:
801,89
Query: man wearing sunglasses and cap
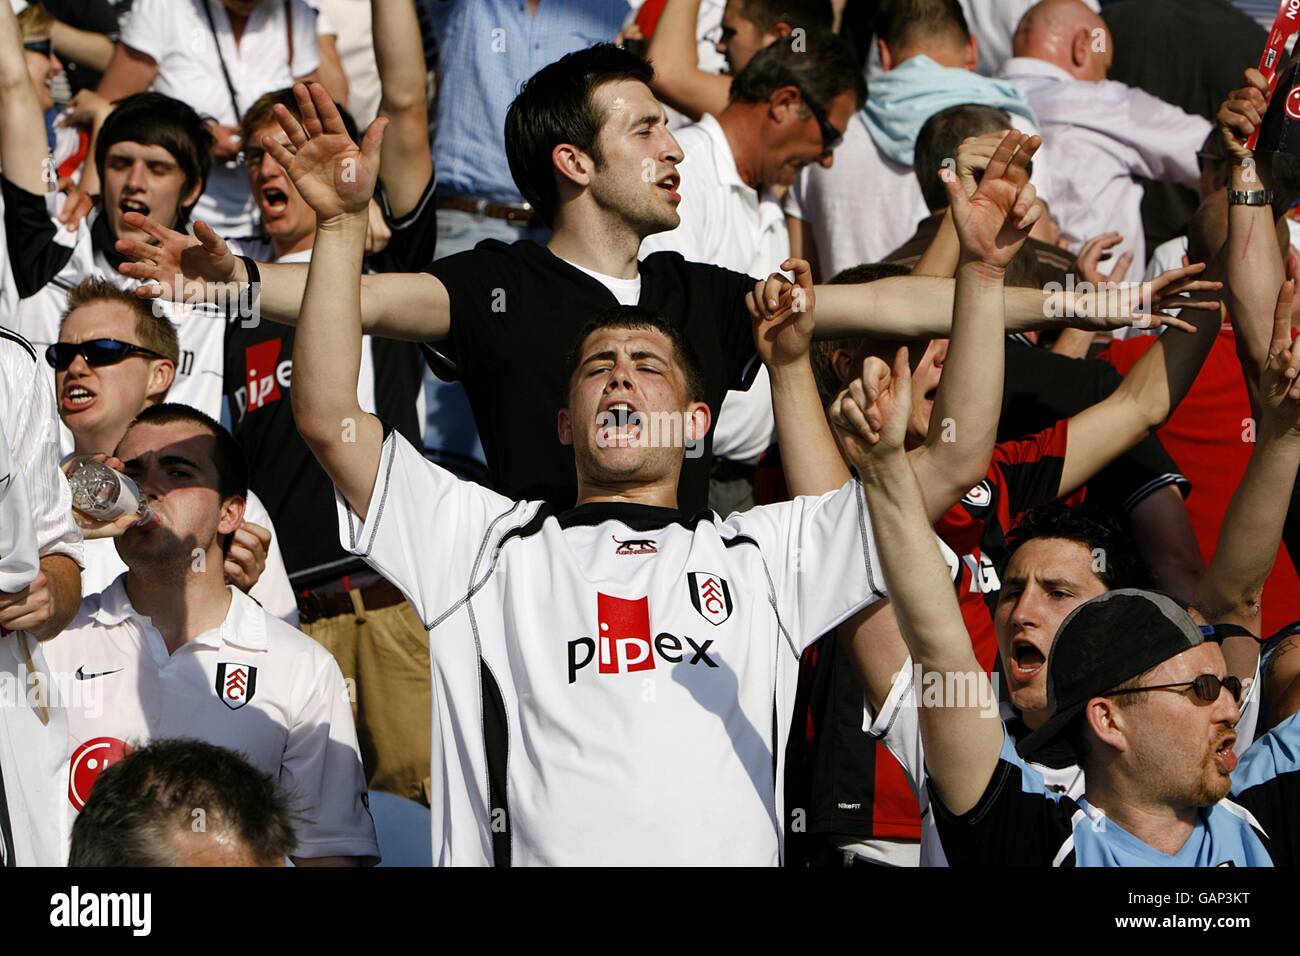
1134,687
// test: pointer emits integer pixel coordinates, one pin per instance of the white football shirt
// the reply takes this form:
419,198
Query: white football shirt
254,685
610,685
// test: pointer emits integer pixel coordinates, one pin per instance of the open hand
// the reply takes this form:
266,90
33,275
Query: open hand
335,176
175,262
993,223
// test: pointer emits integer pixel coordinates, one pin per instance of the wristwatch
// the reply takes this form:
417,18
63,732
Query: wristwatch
1250,197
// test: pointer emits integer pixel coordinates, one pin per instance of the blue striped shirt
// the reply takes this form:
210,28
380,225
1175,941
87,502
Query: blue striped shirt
488,48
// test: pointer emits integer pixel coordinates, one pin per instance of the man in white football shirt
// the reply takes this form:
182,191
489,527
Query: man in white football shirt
611,683
174,651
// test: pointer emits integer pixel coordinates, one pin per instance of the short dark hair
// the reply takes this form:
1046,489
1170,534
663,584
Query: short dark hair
820,64
1121,566
823,350
809,14
554,106
636,317
157,120
263,111
939,138
904,24
141,803
154,330
232,467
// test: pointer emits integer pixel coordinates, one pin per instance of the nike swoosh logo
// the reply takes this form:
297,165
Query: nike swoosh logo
82,675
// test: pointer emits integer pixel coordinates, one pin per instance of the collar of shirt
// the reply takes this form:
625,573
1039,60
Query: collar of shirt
1019,66
724,164
244,625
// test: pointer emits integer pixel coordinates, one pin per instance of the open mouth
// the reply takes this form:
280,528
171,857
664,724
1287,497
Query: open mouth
77,398
618,425
1026,660
1224,756
274,200
134,205
669,185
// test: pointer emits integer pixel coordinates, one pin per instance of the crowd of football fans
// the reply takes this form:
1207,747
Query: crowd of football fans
801,432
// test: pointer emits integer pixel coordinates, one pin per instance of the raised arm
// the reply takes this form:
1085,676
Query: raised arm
1231,589
1146,398
991,226
679,81
1255,269
783,330
911,307
130,71
961,743
337,179
84,47
413,306
406,164
24,151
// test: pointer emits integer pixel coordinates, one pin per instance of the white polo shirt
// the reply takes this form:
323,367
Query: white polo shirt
728,223
176,35
254,685
1104,137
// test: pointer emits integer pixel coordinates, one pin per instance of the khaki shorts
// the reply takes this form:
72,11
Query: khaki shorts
384,656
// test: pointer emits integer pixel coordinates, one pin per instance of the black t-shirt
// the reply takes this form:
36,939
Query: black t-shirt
516,311
282,470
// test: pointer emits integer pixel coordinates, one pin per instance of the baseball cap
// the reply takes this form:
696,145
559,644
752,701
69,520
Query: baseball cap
1102,643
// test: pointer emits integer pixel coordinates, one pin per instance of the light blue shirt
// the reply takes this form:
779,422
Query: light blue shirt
488,48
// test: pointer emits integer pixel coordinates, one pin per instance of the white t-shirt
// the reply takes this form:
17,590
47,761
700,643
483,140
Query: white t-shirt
272,590
898,727
612,685
254,685
177,36
1104,137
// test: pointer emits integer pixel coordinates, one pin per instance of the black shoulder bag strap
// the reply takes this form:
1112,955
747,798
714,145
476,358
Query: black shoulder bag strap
212,27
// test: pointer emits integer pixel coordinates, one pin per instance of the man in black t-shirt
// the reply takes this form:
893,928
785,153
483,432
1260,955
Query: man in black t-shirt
589,148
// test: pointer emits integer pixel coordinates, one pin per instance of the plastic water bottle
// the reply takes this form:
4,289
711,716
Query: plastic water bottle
105,495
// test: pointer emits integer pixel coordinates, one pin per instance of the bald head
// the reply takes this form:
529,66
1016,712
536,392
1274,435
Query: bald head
1066,33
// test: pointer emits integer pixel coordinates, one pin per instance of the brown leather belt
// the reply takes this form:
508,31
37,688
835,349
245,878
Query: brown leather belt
317,605
525,214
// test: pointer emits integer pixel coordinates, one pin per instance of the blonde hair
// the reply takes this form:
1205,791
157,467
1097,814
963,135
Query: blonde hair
36,22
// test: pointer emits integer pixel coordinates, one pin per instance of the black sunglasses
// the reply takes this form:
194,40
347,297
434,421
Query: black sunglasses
831,137
44,47
1206,687
96,352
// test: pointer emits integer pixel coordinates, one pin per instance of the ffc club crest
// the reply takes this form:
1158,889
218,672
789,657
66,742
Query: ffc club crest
236,683
710,595
979,496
